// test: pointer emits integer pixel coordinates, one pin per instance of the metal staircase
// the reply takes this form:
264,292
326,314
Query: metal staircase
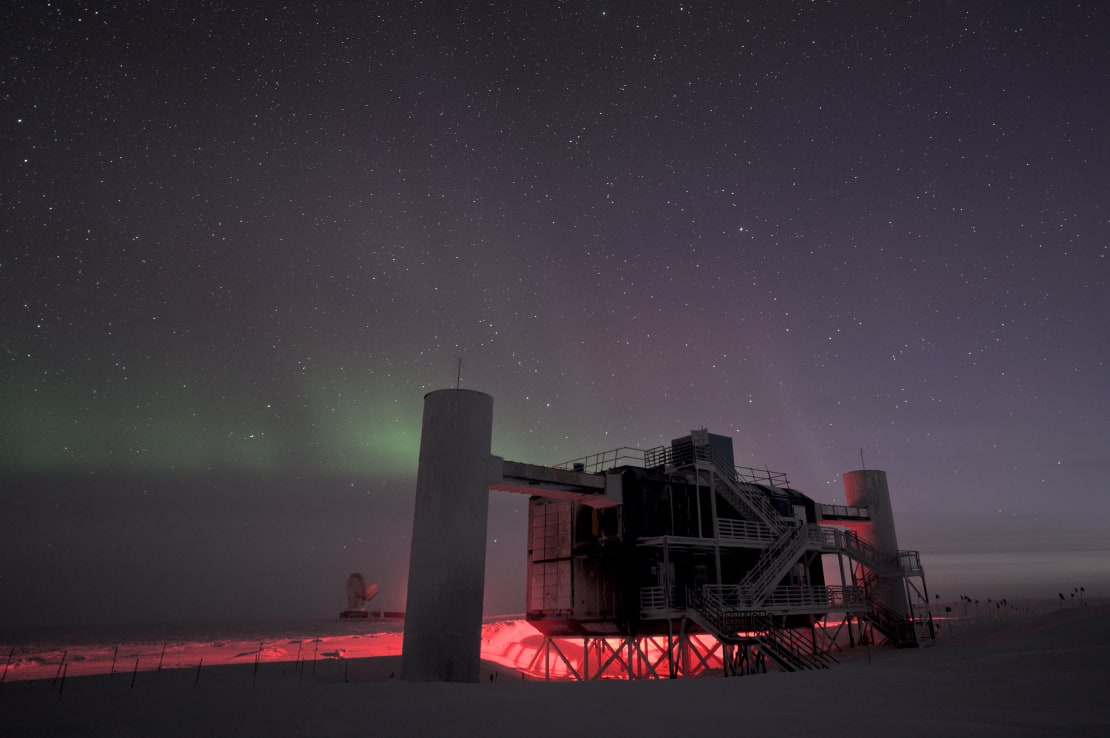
791,539
741,616
901,631
782,645
774,563
873,558
787,647
744,497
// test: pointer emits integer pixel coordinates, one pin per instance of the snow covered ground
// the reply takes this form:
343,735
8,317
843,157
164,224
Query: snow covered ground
1042,675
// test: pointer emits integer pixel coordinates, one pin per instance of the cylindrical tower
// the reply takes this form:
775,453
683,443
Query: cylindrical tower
443,615
868,488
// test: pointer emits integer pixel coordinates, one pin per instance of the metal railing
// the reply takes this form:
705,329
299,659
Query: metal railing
875,558
789,649
653,598
685,455
728,480
733,597
803,596
666,455
901,563
909,563
606,460
745,530
777,559
897,627
724,596
743,497
793,650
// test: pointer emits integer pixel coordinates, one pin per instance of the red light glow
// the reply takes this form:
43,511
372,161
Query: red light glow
510,644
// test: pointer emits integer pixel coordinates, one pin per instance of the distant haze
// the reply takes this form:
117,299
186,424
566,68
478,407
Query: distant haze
212,547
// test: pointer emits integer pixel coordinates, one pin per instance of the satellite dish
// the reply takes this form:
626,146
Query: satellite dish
358,594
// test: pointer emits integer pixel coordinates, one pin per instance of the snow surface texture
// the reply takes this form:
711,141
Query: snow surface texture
1042,676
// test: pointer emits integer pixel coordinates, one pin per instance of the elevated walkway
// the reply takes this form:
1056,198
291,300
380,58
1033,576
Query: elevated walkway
553,482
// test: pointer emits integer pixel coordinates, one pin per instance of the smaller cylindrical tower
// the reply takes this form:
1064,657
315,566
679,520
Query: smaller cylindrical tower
443,615
868,488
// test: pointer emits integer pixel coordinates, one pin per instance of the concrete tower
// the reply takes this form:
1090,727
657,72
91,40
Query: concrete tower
868,488
443,615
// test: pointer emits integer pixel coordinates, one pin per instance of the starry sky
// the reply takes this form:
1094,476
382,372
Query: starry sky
240,243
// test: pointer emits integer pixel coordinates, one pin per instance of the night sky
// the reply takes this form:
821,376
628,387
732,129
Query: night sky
240,244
